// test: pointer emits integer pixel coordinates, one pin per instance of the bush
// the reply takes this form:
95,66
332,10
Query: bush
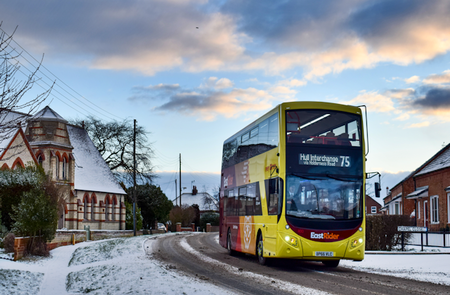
381,231
8,243
186,215
209,217
39,248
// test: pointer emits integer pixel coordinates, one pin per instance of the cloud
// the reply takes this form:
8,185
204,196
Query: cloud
206,104
443,78
320,38
435,99
374,101
419,125
214,82
413,79
143,36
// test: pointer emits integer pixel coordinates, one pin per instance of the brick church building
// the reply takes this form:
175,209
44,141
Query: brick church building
92,195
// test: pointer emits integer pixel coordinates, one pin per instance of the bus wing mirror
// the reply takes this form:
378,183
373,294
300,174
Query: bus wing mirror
377,189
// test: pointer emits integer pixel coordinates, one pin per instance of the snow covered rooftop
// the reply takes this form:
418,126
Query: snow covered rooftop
91,171
440,162
199,199
9,125
48,114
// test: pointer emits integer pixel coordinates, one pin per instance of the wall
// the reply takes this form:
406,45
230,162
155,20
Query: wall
437,181
63,238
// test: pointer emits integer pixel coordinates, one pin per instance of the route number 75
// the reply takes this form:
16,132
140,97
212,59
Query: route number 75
345,161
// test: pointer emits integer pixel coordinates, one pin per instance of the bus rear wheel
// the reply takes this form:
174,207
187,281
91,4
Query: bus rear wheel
260,251
331,263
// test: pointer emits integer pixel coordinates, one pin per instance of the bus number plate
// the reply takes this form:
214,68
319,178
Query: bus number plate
324,254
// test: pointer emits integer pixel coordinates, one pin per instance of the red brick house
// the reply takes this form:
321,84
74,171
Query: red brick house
425,193
372,206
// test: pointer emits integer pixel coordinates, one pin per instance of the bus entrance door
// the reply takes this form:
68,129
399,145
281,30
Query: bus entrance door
273,194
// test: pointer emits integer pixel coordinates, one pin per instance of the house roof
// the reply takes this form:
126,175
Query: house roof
199,199
440,162
434,163
8,126
420,192
91,171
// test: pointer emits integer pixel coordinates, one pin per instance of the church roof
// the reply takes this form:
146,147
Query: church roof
91,171
48,113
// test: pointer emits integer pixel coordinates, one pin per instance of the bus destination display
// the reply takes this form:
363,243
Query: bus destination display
324,160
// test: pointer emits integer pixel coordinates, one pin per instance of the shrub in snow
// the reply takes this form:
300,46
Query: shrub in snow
36,216
13,184
8,243
381,231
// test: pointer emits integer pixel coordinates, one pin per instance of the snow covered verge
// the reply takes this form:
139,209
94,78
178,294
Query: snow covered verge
116,266
120,266
431,265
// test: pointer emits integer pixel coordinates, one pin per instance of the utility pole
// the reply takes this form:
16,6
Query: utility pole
176,195
180,180
134,178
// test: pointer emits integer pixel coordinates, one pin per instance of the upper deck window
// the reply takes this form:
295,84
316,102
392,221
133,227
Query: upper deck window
323,127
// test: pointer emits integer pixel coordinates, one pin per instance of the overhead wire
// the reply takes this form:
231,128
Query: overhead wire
41,66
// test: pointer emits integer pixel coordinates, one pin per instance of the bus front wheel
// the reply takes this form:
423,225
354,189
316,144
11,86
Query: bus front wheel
260,251
331,263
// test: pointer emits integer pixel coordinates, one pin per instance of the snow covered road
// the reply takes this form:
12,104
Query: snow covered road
120,266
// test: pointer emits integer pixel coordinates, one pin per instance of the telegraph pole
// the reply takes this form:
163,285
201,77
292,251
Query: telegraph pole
134,178
180,180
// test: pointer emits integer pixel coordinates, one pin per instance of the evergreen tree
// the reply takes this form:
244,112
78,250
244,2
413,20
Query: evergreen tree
14,183
153,203
129,217
36,216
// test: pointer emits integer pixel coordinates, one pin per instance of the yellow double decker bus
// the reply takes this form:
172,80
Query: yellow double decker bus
292,185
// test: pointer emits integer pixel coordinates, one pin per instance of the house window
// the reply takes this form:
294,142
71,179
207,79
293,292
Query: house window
106,210
113,211
434,209
373,209
85,209
425,213
396,208
64,169
40,159
92,209
448,208
418,210
57,168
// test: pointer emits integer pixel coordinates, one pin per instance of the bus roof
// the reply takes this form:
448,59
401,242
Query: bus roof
301,105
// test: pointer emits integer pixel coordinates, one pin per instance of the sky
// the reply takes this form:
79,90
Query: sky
129,267
195,72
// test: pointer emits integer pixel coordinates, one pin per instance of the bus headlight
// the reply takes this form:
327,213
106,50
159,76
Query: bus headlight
357,242
291,240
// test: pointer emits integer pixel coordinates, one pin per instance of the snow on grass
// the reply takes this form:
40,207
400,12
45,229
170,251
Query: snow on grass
429,267
19,282
116,266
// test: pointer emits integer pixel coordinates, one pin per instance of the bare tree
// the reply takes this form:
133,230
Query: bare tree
12,89
114,141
